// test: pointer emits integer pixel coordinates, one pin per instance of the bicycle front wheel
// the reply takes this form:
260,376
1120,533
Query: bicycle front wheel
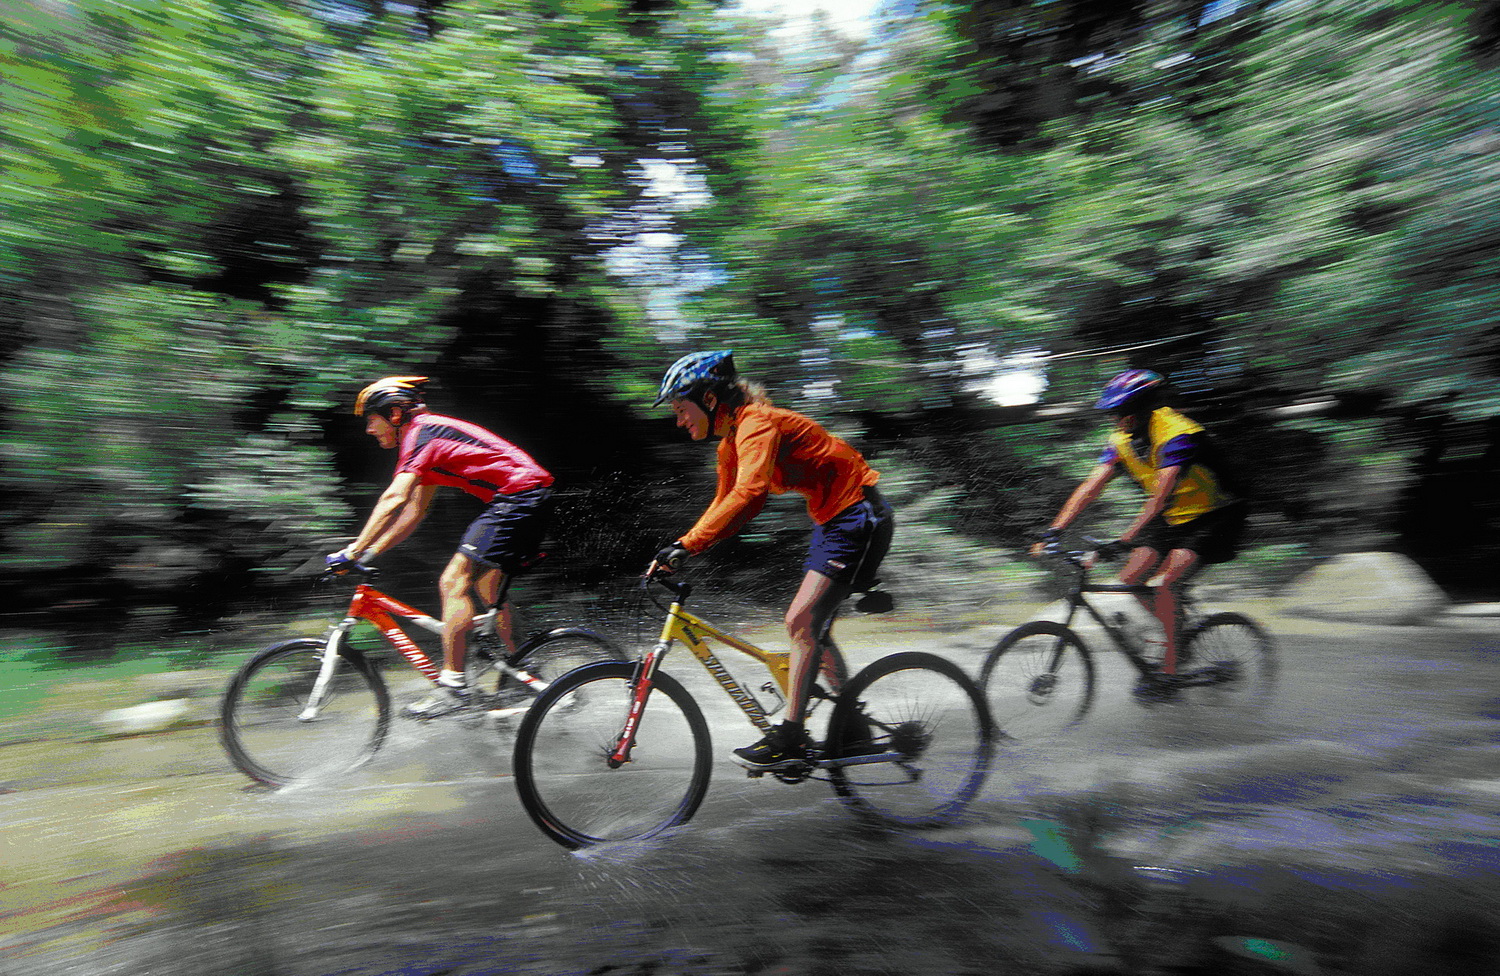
562,768
916,737
276,733
1242,657
1038,681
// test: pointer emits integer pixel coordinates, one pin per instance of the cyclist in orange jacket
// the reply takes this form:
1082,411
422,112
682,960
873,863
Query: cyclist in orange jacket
437,451
1191,517
765,450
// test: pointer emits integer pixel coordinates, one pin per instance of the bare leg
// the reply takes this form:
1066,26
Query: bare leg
1141,564
460,580
1179,567
801,621
488,588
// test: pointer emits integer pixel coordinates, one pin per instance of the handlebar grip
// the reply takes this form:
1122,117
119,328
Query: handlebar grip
358,569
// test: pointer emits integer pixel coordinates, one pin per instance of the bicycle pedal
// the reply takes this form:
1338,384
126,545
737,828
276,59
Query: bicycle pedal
754,773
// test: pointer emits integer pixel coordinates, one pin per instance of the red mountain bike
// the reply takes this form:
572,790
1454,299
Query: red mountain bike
317,706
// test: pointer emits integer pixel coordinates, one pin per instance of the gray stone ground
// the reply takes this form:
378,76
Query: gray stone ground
1349,830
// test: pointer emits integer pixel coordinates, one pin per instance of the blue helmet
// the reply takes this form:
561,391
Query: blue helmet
694,369
1126,387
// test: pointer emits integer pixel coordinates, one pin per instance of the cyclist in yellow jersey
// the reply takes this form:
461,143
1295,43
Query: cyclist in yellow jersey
765,451
1191,517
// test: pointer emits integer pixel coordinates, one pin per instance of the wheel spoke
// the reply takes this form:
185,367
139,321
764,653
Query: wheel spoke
562,759
276,734
924,710
1237,652
1038,681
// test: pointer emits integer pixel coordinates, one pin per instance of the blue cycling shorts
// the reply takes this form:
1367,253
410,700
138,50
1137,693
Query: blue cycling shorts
850,547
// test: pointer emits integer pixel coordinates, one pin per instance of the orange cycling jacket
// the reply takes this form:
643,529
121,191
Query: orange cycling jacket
771,451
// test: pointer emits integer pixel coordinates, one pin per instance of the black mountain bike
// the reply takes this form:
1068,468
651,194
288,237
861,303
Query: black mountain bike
1040,677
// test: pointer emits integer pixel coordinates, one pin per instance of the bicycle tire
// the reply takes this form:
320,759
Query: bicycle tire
1230,637
1038,681
264,731
925,708
549,656
566,785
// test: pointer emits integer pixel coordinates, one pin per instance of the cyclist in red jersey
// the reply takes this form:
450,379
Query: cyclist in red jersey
765,451
437,451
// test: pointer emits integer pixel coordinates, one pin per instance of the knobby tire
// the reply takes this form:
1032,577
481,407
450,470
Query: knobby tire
564,781
923,707
1038,680
260,727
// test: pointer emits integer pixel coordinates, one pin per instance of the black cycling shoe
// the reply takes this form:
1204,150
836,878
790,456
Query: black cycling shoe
781,747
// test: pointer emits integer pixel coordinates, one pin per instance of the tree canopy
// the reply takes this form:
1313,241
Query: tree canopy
219,218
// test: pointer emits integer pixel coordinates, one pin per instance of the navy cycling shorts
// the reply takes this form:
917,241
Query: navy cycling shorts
509,532
850,547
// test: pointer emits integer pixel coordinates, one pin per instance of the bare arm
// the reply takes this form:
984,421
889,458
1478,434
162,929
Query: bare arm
1083,496
391,511
405,522
1166,483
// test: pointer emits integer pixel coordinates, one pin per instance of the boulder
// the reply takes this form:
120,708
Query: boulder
1365,587
157,716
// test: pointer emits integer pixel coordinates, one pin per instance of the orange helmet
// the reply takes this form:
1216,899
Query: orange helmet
391,391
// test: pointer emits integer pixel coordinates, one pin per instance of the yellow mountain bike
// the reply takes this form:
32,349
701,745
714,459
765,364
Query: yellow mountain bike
620,751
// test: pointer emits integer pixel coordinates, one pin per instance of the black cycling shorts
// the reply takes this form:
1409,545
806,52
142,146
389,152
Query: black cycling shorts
1215,536
510,531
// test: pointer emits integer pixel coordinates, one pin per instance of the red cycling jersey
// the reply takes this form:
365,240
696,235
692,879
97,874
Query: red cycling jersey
457,454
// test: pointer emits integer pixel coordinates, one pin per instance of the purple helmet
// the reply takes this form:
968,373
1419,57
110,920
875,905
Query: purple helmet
1120,391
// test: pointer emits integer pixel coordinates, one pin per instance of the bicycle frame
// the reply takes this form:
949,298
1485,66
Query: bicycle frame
1077,599
695,633
380,610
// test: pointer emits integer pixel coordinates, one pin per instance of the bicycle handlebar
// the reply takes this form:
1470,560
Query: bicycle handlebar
1100,549
679,588
360,570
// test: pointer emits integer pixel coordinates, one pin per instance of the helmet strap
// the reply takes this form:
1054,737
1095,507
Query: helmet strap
389,414
698,398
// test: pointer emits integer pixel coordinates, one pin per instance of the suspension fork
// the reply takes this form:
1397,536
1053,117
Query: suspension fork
640,691
326,668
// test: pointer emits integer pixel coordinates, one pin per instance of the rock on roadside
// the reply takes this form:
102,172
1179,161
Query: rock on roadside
156,716
1365,587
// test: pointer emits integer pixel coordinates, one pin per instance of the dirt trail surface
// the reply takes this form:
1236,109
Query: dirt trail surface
1351,829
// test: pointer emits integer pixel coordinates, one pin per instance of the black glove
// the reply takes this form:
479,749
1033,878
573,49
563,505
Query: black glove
671,556
1049,536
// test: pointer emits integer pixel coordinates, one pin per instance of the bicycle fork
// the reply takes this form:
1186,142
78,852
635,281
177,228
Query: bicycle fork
326,667
640,691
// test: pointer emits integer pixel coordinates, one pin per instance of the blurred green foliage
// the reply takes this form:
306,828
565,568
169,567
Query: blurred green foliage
218,218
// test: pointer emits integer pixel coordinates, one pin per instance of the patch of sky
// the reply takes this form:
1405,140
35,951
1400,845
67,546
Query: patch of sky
1016,379
855,19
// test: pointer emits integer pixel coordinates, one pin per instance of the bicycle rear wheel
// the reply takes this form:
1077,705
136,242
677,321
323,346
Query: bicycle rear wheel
925,725
1241,649
547,656
274,737
1038,681
563,776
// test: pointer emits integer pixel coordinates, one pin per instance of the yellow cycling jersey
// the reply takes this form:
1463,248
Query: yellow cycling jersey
1198,490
